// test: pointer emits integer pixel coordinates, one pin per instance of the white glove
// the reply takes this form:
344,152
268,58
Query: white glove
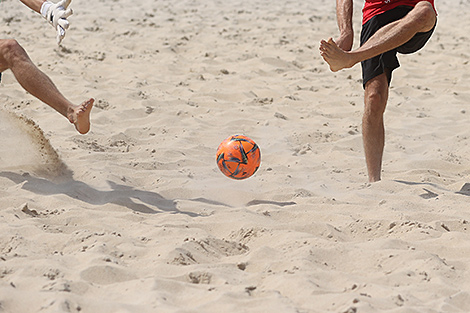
56,14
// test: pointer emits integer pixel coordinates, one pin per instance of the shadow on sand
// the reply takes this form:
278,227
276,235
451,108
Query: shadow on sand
465,190
119,194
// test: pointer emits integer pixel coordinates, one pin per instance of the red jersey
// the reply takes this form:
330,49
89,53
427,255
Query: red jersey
374,7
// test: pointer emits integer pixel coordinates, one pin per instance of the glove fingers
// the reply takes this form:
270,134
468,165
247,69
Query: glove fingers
63,23
64,3
60,34
67,13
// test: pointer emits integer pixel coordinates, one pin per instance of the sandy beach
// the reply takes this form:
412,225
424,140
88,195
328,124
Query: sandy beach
135,216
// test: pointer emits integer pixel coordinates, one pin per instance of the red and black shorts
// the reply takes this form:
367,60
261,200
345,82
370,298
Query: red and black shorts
388,61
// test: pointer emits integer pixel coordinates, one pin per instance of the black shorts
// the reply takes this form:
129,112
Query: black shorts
388,61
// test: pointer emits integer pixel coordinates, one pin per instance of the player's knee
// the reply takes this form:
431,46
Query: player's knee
426,16
375,103
11,51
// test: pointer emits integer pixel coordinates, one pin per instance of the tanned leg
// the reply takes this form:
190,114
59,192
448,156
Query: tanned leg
373,132
15,58
421,18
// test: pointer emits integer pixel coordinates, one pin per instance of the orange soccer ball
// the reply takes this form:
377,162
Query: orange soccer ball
238,157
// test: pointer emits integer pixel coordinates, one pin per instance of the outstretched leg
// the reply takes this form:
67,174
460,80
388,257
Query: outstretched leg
421,18
15,58
373,131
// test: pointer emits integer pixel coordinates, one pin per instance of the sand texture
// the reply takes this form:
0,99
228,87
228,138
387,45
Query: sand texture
136,217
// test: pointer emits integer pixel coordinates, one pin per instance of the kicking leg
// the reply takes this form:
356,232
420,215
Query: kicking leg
373,131
15,58
421,18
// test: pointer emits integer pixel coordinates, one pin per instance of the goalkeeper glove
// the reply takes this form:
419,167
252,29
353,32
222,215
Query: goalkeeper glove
56,14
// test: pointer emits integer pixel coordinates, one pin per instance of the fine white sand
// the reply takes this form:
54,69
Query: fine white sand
136,217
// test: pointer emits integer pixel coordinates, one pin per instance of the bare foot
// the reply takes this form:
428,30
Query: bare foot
337,58
80,116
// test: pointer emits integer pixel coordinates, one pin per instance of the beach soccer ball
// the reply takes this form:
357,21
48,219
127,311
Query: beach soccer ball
238,157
